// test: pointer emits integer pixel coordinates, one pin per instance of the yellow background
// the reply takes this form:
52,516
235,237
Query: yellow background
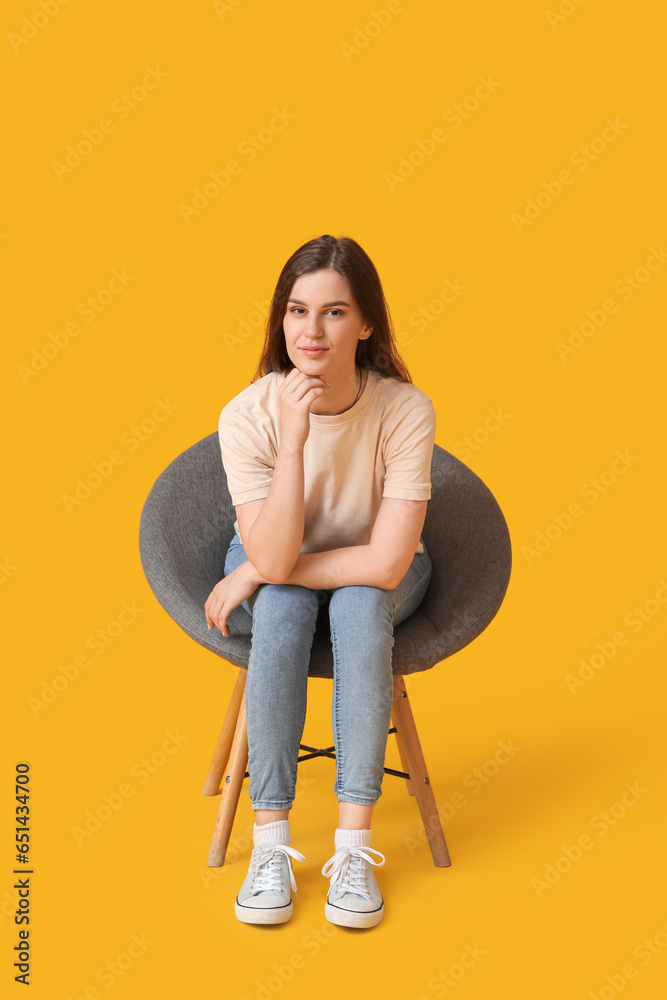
361,100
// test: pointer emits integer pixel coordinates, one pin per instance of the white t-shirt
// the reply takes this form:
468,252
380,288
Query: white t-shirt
381,447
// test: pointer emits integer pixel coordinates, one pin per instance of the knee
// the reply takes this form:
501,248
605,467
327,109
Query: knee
292,604
365,609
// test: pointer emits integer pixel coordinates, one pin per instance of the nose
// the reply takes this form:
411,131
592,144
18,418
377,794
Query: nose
313,330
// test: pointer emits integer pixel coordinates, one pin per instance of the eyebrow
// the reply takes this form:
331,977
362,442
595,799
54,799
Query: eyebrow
326,305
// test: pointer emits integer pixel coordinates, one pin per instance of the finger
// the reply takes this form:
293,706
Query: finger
308,382
291,377
300,379
213,606
293,380
312,378
219,617
316,390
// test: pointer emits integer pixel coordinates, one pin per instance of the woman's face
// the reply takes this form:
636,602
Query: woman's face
323,314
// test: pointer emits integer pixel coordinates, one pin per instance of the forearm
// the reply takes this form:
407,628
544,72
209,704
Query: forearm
276,534
352,566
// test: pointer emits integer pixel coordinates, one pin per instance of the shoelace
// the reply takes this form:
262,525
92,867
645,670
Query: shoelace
347,866
269,868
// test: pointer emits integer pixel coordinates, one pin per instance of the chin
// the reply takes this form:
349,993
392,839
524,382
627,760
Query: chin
303,361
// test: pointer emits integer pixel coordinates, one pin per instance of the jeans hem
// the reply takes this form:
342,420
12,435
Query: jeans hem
356,800
263,804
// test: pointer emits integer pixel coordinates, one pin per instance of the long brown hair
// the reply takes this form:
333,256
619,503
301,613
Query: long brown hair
343,254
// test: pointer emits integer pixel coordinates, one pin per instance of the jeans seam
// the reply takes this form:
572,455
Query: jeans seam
340,761
290,792
338,783
295,767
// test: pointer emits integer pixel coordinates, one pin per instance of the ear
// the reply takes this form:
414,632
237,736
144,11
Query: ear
366,333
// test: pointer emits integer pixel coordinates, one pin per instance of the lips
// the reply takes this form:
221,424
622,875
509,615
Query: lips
314,351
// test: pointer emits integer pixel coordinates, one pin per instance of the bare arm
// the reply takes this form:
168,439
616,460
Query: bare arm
382,563
272,532
272,536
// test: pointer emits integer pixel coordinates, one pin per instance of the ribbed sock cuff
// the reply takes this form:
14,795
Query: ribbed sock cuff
352,838
272,833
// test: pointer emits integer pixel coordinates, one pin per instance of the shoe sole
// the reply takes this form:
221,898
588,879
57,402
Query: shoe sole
352,918
258,915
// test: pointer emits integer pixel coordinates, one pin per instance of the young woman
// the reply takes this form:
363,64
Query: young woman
328,457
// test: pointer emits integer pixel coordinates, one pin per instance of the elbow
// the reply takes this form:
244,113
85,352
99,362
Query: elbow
392,575
384,574
264,566
269,570
275,577
389,578
269,573
274,567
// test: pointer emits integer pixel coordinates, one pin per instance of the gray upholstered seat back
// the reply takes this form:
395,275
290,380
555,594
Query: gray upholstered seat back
187,523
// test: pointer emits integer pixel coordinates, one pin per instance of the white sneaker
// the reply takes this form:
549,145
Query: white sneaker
354,898
264,897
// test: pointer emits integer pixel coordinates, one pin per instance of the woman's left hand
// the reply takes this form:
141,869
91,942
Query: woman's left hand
229,593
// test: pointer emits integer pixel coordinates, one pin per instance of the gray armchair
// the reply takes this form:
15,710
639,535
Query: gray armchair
187,523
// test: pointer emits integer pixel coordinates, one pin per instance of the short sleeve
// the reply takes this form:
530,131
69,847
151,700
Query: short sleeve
247,458
408,454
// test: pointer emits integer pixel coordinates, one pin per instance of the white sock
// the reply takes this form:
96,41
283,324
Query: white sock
277,832
352,838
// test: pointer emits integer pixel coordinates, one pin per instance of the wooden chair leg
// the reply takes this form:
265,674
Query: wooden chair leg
224,745
231,790
404,722
404,760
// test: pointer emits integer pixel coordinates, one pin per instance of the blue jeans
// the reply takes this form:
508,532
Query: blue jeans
362,619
